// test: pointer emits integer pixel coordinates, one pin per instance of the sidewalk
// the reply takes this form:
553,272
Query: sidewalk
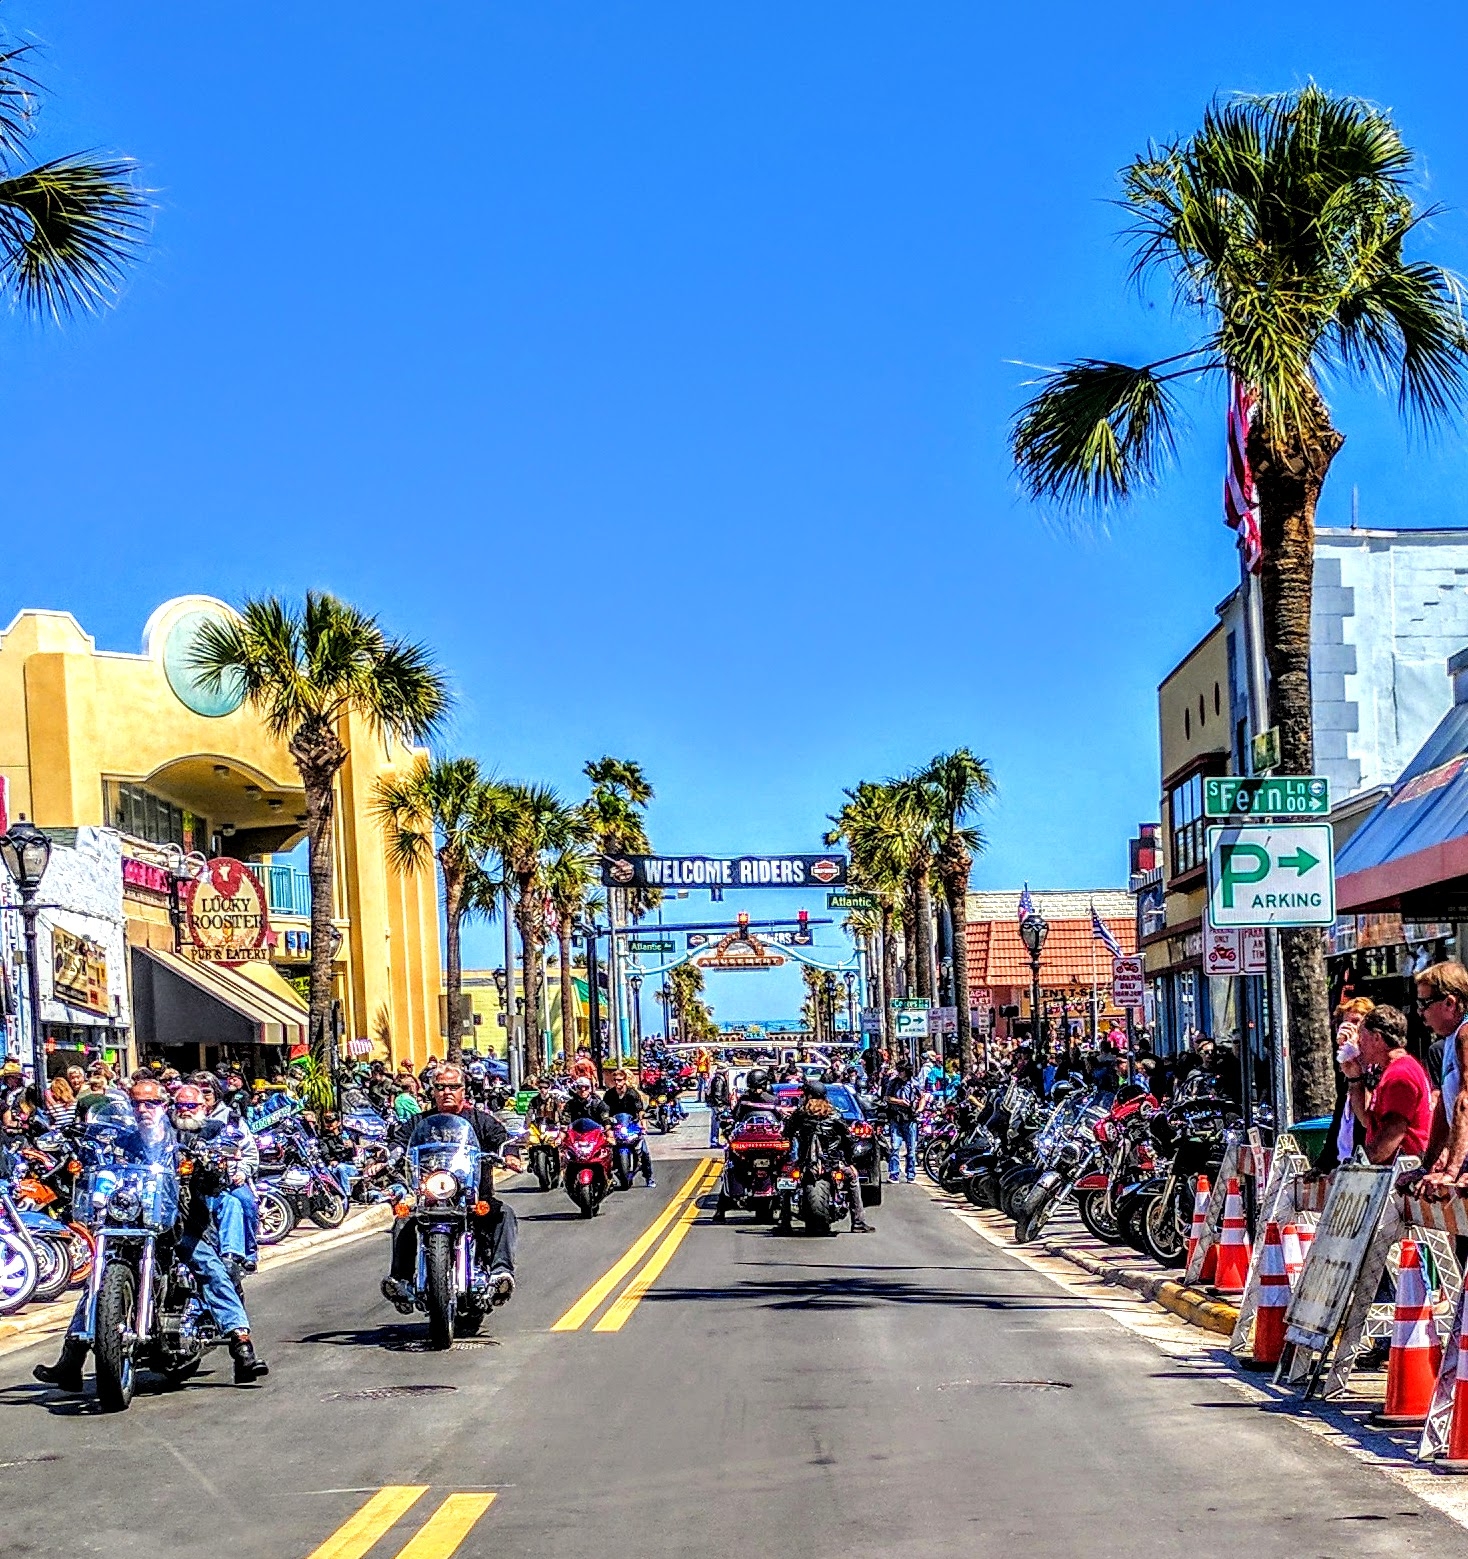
37,1322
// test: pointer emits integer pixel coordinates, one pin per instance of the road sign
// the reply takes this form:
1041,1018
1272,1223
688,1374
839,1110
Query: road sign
871,1020
910,1004
1281,795
635,946
1271,874
1264,750
1234,952
911,1025
723,871
776,938
1128,987
851,898
943,1020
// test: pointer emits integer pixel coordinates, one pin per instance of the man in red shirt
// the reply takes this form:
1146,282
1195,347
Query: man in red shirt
1397,1113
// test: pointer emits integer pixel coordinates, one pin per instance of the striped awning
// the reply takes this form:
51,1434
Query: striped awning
279,1019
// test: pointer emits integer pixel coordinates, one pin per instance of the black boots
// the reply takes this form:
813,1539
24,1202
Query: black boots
247,1367
66,1373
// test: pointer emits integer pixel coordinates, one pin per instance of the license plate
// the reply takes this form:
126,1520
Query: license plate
760,1163
786,1185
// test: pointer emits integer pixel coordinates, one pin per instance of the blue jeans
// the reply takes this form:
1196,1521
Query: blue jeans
249,1207
229,1224
902,1134
345,1176
204,1262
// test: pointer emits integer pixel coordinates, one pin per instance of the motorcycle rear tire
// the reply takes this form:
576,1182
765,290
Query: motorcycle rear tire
53,1262
626,1168
117,1309
1098,1219
815,1207
1158,1227
1129,1224
438,1259
328,1208
277,1215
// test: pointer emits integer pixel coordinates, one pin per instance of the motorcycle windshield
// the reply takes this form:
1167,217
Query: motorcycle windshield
444,1143
128,1180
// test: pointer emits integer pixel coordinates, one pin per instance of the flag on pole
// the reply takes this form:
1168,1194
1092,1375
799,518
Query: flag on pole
1240,502
1101,932
1025,906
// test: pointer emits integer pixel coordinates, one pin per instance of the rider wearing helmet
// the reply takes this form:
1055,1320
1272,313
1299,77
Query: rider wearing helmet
756,1096
583,1105
817,1122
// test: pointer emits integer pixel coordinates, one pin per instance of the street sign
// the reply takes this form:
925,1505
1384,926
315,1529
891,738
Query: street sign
911,1025
1281,795
1234,952
979,1018
871,1020
1271,874
910,1004
778,938
1264,750
1128,987
635,946
851,898
723,871
943,1020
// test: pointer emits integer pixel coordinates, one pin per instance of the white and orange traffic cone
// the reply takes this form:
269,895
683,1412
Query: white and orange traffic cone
1455,1458
1233,1246
1411,1372
1200,1223
1306,1233
1274,1300
1294,1252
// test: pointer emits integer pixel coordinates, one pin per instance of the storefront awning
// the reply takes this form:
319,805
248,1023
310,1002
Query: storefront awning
265,1002
1418,837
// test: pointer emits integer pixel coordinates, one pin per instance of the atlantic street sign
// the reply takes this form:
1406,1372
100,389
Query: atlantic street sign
851,898
1271,874
723,871
644,946
1280,795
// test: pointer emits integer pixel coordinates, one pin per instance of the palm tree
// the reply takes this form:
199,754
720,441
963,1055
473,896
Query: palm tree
529,825
612,814
878,851
440,808
956,784
685,992
915,825
68,227
570,877
1281,224
304,672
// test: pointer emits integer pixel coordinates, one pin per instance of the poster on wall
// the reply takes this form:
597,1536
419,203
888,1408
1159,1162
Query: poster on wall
79,971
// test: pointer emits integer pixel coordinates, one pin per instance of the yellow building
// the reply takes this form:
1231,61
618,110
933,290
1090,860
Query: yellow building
485,1029
132,742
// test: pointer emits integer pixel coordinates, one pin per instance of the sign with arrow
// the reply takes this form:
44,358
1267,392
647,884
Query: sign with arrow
1280,874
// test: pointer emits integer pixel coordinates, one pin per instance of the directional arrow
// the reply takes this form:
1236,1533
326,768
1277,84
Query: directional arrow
1301,860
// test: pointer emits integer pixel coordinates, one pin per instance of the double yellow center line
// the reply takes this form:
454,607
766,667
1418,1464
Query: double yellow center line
680,1213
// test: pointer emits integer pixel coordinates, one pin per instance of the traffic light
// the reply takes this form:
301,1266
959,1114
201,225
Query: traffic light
802,929
743,925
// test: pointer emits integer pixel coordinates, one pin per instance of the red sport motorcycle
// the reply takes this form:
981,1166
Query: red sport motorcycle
586,1152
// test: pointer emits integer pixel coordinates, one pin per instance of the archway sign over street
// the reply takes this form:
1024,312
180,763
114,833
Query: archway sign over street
1271,874
723,871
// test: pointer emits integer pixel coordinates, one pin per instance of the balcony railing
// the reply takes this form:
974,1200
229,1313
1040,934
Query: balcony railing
288,891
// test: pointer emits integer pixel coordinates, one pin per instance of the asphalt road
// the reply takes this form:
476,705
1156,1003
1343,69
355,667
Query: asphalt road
911,1393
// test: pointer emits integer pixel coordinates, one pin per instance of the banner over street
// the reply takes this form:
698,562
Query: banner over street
723,871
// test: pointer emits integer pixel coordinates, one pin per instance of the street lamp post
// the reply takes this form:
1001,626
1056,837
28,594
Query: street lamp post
850,978
500,980
1033,930
635,981
26,852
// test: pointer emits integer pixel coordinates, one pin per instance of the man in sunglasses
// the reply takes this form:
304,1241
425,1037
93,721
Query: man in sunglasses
1442,1002
495,1231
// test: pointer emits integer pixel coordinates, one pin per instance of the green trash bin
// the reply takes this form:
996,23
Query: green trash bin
1311,1136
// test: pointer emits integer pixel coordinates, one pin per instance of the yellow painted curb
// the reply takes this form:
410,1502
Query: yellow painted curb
1212,1315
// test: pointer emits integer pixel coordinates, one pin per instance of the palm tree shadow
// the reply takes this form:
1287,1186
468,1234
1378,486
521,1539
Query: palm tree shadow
843,1290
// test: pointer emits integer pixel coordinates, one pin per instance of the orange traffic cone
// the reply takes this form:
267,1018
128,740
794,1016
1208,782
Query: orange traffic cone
1411,1372
1233,1246
1200,1223
1274,1300
1306,1232
1455,1459
1294,1252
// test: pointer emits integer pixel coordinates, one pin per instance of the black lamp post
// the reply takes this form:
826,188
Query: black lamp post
1033,930
854,1035
26,852
635,981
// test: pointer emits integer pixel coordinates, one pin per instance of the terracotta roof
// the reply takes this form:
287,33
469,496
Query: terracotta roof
1053,903
996,956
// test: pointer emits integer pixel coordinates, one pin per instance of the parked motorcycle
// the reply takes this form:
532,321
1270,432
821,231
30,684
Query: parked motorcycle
450,1284
20,1265
293,1168
588,1165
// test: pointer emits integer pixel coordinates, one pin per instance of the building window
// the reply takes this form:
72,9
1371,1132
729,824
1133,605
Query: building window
1185,813
133,810
1187,725
1202,713
1217,699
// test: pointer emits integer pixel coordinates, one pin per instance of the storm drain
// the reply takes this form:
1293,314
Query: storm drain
383,1393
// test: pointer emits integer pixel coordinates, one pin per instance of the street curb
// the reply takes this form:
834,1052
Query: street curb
1197,1309
51,1320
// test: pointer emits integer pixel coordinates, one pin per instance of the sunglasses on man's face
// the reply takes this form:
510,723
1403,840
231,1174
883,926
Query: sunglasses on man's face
1424,1002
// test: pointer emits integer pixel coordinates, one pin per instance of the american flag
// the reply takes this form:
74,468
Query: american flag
1240,502
1102,932
1026,907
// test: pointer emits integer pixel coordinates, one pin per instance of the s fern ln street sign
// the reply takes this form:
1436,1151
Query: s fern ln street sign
1271,874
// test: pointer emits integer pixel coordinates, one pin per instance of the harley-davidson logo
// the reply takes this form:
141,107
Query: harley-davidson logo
825,871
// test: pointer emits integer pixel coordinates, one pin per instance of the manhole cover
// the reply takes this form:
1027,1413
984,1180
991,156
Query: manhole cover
476,1342
382,1393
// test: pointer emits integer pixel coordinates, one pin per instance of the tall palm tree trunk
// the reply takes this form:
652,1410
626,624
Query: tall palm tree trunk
889,973
453,914
532,953
923,908
909,944
318,754
1289,477
569,1033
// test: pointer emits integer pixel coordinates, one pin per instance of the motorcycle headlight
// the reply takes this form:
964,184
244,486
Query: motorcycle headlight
124,1206
441,1186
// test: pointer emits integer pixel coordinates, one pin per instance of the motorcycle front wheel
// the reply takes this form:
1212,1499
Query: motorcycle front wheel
542,1172
53,1261
277,1216
438,1257
1164,1243
1098,1216
328,1207
626,1167
117,1309
18,1273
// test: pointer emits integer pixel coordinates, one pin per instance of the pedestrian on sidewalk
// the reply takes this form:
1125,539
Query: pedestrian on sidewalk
904,1096
719,1097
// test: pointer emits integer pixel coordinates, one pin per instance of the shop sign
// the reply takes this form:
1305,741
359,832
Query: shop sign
723,871
1341,937
79,971
736,952
225,915
773,938
144,876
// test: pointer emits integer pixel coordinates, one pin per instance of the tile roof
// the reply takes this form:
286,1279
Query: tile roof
996,956
1054,904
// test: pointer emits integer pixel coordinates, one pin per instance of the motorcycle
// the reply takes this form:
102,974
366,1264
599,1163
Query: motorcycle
143,1306
450,1284
628,1138
588,1161
544,1158
20,1265
752,1166
293,1169
812,1192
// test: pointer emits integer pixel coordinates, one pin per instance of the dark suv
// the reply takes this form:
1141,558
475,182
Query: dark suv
865,1142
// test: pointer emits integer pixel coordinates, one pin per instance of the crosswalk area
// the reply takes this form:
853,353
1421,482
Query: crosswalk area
439,1536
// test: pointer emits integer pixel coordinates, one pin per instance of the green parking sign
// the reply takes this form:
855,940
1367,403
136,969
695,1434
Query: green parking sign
1271,874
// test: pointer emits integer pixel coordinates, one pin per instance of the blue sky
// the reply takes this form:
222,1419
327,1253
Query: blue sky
653,362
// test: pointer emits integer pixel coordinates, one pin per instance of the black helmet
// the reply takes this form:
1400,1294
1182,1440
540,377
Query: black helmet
813,1088
758,1078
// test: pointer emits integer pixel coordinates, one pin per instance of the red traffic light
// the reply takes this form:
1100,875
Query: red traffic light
803,916
743,919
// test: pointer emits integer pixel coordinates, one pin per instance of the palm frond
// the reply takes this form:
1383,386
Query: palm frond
17,101
68,230
1094,433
